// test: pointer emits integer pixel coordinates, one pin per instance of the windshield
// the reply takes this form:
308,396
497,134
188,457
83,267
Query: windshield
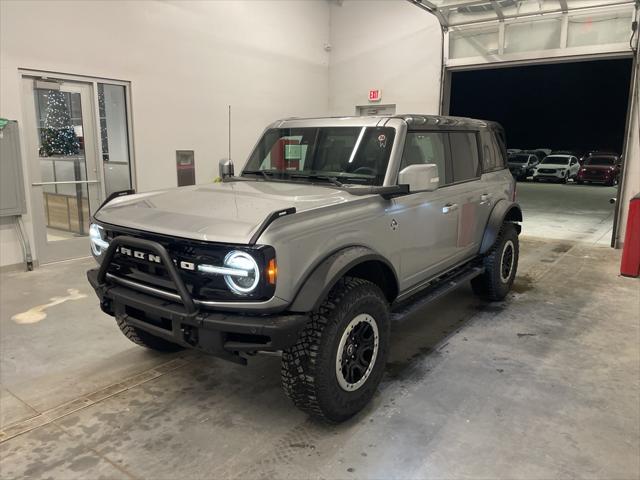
600,161
556,160
518,159
355,155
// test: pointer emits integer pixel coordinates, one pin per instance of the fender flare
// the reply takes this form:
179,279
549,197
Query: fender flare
326,274
503,210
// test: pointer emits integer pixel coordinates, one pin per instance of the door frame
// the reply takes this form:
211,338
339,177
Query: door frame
94,116
445,102
94,81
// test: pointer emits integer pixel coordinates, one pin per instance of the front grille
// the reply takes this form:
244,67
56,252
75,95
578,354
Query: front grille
546,170
200,286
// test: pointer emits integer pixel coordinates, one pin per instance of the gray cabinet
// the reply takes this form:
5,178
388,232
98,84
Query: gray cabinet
12,201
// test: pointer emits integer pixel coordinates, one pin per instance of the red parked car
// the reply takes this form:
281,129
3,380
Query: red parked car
600,169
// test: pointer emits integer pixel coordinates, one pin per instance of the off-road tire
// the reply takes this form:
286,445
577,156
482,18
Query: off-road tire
308,372
490,284
145,339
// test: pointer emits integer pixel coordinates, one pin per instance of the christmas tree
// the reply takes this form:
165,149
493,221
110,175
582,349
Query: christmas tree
58,135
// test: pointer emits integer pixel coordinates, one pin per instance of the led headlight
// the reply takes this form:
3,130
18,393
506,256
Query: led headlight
242,261
98,239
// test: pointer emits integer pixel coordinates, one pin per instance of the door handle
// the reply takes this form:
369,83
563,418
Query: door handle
449,207
485,199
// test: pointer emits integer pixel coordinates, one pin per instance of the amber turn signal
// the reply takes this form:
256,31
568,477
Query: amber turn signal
272,271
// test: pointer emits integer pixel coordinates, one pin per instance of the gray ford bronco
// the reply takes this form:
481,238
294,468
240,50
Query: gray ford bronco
333,224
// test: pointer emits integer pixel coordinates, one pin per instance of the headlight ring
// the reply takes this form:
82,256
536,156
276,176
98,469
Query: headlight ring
97,239
239,260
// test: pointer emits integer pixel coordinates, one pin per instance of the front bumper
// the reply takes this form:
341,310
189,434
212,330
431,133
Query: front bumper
548,176
218,333
223,334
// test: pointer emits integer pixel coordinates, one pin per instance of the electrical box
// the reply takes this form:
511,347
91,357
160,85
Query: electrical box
185,164
12,200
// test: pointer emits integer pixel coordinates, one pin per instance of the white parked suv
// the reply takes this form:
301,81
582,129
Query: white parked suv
559,168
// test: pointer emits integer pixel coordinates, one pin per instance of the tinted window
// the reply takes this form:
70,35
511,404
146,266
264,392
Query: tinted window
600,161
351,154
464,155
553,160
424,148
492,152
519,159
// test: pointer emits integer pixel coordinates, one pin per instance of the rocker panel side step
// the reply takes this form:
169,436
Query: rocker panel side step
433,291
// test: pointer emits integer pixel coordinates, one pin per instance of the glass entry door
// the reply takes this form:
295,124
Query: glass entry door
62,150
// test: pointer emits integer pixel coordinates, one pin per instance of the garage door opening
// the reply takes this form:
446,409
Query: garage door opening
570,109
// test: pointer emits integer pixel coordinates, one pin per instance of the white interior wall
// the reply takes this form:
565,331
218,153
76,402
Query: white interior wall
631,185
388,45
186,62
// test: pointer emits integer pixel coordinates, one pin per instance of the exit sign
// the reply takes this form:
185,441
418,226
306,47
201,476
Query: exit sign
374,96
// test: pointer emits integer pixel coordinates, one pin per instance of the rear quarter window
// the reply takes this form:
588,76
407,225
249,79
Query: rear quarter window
493,151
464,156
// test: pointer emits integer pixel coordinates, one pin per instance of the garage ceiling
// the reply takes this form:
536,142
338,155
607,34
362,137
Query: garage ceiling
452,13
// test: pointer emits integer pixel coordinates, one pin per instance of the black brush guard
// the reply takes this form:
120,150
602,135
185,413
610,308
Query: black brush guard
223,334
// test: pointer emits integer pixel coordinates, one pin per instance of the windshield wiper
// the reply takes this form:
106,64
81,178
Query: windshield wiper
326,178
264,174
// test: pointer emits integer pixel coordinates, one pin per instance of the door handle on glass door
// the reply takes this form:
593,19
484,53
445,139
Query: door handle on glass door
449,207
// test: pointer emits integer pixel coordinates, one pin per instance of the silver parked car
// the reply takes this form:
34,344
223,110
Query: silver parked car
332,224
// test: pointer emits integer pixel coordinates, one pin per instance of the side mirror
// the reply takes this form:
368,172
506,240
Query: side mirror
421,177
225,167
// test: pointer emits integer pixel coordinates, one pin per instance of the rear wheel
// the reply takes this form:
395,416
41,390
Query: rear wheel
500,264
145,339
338,361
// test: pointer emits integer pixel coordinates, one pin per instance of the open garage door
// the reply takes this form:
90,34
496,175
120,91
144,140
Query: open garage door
490,42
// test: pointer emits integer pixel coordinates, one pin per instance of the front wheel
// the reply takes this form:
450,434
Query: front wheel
500,266
335,367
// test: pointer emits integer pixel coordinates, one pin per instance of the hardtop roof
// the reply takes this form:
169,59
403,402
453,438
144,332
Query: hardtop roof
413,121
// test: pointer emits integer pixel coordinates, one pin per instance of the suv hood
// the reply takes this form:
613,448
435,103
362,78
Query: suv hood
228,212
553,165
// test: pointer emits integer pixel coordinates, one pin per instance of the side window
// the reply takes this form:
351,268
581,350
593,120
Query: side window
464,155
488,152
500,148
492,151
426,147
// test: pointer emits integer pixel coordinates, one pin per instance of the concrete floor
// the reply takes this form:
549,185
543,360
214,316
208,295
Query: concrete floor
543,385
568,212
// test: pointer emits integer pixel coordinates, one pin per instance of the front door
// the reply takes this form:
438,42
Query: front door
62,152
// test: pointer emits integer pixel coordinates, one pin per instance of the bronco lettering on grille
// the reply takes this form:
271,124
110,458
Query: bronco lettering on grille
150,257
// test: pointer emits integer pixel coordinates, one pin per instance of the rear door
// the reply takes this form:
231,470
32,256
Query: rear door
468,193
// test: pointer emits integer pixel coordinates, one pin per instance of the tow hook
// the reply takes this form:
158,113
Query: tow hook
189,334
